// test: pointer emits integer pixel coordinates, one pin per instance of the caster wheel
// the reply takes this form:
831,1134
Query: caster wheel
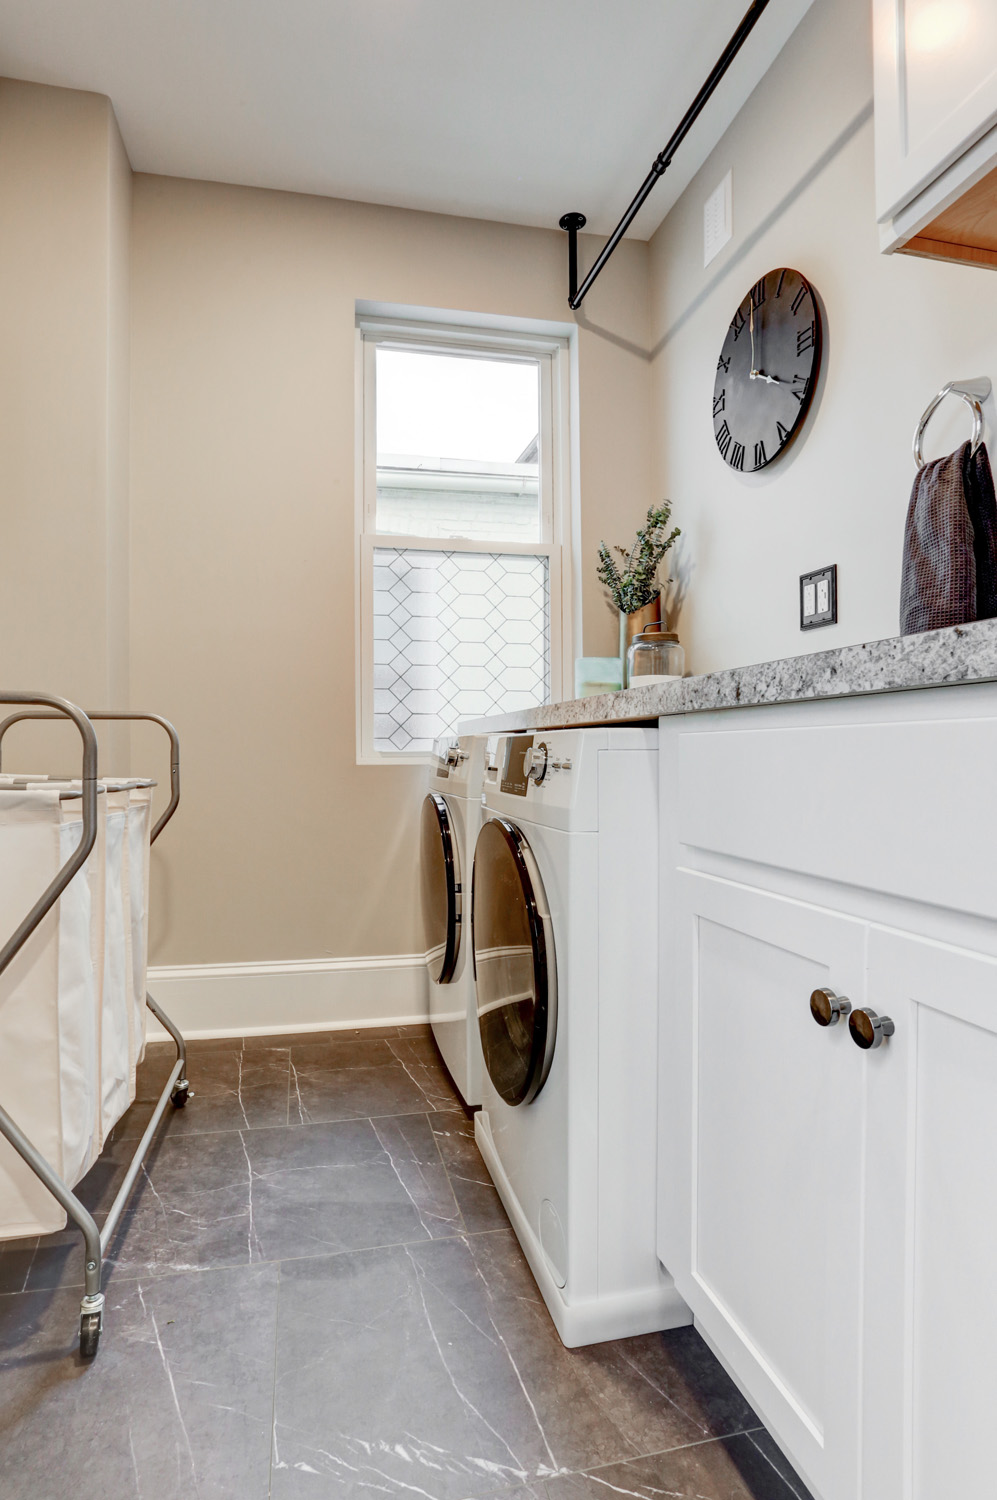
89,1335
180,1095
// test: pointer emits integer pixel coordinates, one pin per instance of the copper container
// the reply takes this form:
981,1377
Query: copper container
631,625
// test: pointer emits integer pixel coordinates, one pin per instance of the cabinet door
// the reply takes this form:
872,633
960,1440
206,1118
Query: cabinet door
930,1273
936,90
759,1156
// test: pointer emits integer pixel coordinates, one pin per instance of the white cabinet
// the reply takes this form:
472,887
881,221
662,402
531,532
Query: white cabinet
930,1223
830,1213
936,109
761,1131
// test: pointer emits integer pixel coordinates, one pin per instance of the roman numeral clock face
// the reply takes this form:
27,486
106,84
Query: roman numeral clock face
767,370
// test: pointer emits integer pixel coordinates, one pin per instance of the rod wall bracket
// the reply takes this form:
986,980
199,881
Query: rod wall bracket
572,223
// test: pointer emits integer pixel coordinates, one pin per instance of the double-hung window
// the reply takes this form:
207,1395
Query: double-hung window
462,546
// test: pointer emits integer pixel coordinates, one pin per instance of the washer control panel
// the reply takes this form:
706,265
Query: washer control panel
528,759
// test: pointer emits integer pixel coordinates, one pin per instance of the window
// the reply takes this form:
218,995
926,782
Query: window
462,589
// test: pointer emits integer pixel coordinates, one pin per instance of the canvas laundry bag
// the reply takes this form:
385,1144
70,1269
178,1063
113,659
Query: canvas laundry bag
139,836
48,1008
127,892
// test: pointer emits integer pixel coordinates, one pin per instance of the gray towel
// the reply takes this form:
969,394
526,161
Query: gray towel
950,544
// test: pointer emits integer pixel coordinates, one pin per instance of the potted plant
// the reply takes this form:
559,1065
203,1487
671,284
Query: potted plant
633,582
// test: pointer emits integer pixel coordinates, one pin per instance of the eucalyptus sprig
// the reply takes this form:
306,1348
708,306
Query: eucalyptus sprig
634,583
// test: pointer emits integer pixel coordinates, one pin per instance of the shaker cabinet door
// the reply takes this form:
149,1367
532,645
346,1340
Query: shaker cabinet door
760,1156
935,88
930,1285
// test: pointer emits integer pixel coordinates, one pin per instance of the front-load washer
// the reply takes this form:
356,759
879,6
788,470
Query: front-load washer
451,816
566,954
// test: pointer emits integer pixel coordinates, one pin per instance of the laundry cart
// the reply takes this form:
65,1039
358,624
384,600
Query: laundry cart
73,1001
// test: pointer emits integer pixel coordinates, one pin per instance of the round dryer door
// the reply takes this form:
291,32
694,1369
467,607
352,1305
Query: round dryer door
515,973
441,892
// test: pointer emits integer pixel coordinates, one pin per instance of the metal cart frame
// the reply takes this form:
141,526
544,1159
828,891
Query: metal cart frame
177,1089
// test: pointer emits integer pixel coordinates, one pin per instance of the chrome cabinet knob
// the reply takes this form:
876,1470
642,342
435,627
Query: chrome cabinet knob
535,763
827,1008
869,1030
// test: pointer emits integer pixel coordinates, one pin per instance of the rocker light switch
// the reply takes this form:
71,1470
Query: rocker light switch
819,598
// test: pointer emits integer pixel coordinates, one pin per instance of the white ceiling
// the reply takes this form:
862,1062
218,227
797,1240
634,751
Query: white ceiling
517,110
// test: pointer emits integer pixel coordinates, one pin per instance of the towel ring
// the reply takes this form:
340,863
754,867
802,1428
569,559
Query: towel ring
974,393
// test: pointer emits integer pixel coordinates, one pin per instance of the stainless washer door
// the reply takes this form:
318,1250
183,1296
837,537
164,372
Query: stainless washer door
441,890
515,971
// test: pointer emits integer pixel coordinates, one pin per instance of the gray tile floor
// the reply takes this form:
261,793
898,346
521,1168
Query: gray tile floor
315,1293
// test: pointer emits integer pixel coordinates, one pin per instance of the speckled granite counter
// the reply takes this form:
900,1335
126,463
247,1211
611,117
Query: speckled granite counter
937,658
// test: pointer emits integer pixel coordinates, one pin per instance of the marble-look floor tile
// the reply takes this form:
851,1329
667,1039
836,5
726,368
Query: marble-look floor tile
205,1046
399,1369
770,1455
238,1196
336,1186
734,1468
45,1261
421,1060
189,1209
331,1052
230,1090
583,1427
661,1390
320,1093
479,1203
154,1069
176,1404
410,1145
664,1389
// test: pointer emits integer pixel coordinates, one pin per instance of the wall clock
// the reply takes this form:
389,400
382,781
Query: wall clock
767,370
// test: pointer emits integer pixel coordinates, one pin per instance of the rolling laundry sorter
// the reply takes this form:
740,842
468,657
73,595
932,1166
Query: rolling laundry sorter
73,999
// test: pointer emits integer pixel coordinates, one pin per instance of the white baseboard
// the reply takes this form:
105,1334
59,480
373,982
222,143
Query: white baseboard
218,1000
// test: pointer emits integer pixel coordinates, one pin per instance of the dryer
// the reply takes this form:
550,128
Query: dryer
451,816
566,955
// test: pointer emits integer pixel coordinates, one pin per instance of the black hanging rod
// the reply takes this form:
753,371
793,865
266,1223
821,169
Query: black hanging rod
574,222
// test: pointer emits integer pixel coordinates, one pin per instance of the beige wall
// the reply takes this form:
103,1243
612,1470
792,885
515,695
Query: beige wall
243,537
897,329
65,189
241,510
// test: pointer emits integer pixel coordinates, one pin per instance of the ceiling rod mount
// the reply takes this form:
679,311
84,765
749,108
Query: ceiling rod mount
573,222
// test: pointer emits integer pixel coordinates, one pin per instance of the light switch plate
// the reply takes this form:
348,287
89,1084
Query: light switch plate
819,598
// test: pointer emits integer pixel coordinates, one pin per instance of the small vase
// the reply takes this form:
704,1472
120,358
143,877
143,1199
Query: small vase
631,625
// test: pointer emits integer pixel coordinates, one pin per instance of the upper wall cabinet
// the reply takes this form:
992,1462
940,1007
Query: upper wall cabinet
936,127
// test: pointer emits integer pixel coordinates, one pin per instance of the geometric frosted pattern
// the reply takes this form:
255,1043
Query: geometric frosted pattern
456,634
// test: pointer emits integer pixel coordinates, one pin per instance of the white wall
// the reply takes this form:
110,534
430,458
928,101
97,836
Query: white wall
896,329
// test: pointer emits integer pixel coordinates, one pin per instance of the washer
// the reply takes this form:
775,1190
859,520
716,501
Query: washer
566,955
451,817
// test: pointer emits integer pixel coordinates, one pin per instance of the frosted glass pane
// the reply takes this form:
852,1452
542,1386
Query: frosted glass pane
458,441
456,634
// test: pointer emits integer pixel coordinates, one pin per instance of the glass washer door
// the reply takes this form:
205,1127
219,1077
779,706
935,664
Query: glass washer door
441,890
515,972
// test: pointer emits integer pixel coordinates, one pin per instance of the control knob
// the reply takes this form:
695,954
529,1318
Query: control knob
535,763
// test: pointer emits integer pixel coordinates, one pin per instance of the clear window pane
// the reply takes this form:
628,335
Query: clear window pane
456,634
457,445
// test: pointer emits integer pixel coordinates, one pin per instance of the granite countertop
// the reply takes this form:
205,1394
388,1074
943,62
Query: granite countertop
936,658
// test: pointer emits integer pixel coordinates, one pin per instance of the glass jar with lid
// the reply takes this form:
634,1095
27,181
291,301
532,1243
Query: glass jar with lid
655,656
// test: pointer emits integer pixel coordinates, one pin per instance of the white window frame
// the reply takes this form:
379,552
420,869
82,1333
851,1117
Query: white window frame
552,354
